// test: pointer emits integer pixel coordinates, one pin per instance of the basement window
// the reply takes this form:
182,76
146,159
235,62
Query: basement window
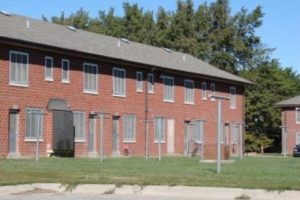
18,68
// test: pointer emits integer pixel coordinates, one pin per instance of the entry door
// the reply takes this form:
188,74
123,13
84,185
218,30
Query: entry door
13,128
188,134
115,136
92,130
170,132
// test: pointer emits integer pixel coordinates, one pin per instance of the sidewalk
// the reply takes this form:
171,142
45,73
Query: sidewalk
176,191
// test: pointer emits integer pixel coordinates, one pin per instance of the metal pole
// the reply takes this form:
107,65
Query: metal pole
37,138
219,111
159,147
101,137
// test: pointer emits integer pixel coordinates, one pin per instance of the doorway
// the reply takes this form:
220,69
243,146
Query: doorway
92,131
170,134
115,136
13,133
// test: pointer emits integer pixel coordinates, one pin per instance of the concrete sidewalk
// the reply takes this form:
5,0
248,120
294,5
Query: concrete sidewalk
176,191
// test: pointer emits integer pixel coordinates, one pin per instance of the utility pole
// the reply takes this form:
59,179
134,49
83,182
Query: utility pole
219,129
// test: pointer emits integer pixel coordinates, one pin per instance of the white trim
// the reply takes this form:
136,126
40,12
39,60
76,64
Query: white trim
204,92
27,72
297,109
79,140
139,73
45,63
193,90
87,91
113,80
173,89
150,83
33,140
212,92
68,72
232,95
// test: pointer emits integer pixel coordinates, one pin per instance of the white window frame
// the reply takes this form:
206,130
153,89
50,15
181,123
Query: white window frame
172,89
297,115
204,91
164,130
150,83
232,102
186,101
85,90
129,140
200,140
18,83
117,93
27,138
212,91
297,137
139,81
63,80
49,78
80,139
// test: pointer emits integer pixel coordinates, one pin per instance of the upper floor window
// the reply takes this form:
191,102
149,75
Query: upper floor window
150,83
18,68
119,82
204,91
232,97
160,127
90,79
198,137
212,90
139,81
129,128
79,125
298,115
188,91
168,88
48,68
34,123
65,71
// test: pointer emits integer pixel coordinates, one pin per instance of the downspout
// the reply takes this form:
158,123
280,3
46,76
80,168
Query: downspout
146,125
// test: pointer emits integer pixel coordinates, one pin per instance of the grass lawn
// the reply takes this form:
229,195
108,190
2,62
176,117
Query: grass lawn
271,173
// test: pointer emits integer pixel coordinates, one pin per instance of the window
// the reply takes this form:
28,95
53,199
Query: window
119,77
90,78
204,91
188,91
232,97
159,129
150,83
198,137
297,115
234,133
168,88
212,91
48,68
34,123
65,71
79,124
139,81
298,138
18,68
129,128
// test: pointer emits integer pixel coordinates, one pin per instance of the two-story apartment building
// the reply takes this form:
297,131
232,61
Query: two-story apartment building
290,120
56,80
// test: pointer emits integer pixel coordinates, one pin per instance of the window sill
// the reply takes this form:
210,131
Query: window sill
119,95
128,141
33,140
19,85
169,101
90,92
49,79
157,142
150,92
204,99
233,108
139,91
79,140
189,103
65,81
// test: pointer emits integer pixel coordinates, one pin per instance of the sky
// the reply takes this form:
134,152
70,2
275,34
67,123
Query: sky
280,29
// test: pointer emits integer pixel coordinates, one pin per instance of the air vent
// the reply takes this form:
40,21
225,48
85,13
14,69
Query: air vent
125,40
5,13
72,28
168,50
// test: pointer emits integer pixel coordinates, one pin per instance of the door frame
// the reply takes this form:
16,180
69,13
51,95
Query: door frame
116,152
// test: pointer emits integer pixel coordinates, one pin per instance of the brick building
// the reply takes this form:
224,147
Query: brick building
290,120
56,80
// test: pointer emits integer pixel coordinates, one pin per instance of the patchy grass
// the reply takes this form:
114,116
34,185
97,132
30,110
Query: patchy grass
271,173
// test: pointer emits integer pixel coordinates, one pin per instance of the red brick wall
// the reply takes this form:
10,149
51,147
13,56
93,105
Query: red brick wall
40,91
289,120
